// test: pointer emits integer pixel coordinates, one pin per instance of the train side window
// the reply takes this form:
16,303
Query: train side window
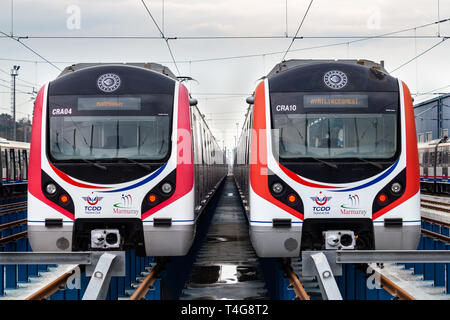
25,164
12,165
429,135
439,157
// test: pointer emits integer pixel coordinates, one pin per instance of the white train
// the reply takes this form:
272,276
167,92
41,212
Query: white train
112,162
14,166
327,159
434,165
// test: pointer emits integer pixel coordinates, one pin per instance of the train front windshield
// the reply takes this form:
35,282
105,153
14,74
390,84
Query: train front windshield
109,128
335,126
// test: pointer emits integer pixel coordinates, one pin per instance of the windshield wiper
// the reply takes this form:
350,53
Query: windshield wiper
136,162
331,165
379,166
94,164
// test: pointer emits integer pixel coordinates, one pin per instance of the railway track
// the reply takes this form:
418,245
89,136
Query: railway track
388,284
147,283
46,291
296,285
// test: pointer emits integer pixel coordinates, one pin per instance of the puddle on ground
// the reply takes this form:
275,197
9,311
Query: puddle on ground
223,274
224,238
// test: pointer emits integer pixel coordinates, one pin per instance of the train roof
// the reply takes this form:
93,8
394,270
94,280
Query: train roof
317,76
146,65
289,64
432,144
4,143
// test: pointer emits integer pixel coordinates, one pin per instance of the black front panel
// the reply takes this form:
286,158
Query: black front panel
311,78
130,229
335,132
110,124
313,239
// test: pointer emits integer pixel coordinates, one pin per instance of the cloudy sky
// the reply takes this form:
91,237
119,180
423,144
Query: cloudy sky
329,31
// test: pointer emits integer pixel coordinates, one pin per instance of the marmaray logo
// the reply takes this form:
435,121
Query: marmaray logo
125,206
127,201
92,201
321,201
353,206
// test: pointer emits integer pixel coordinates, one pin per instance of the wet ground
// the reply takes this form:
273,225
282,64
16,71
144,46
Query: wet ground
226,266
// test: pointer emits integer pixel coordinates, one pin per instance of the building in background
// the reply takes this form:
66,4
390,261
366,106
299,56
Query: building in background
432,118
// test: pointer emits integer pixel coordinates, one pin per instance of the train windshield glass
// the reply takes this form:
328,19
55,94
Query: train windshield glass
366,128
94,128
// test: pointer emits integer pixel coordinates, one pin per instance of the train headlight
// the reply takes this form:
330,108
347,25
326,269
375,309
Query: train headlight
382,198
64,198
50,189
292,198
152,198
166,188
277,188
396,187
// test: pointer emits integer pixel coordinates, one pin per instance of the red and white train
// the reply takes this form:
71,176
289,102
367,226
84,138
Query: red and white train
328,159
112,162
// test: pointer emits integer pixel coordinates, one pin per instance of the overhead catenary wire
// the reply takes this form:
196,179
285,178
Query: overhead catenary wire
420,54
30,49
387,35
162,36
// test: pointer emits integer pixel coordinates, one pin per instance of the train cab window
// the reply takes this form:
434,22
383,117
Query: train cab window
140,130
360,125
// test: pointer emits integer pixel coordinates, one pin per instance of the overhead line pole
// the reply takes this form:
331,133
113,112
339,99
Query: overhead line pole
14,74
298,29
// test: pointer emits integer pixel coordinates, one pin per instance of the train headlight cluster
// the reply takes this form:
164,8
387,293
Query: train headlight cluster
396,187
50,189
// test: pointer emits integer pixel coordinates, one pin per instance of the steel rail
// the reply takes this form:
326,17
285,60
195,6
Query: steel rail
12,224
13,237
435,235
13,210
434,207
146,284
51,288
295,283
435,221
14,204
393,289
